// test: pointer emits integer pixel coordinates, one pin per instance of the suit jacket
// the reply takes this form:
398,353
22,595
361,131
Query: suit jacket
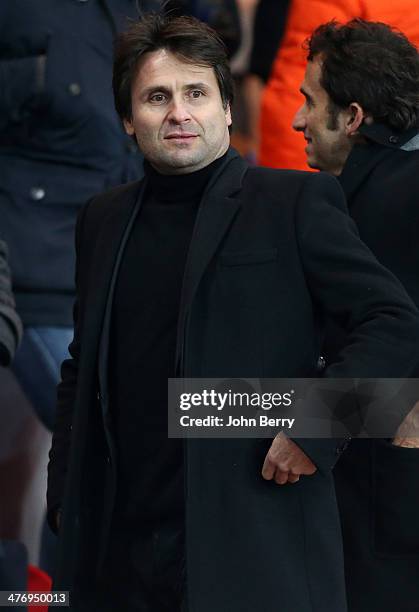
381,534
272,251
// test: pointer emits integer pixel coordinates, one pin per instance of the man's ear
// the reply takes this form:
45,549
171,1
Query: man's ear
129,128
354,119
228,115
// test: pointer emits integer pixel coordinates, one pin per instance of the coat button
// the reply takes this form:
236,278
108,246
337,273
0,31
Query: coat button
98,396
321,363
340,449
74,89
393,139
37,193
108,460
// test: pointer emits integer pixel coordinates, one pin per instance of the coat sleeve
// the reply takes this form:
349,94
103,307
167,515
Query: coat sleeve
66,393
281,146
348,284
268,30
10,324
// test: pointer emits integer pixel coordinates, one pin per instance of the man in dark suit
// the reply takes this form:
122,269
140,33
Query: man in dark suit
360,120
206,268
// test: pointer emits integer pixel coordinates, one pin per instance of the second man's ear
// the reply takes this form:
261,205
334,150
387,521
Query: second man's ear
355,118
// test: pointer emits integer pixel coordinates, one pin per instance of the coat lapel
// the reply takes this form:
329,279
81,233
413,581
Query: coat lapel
216,213
109,249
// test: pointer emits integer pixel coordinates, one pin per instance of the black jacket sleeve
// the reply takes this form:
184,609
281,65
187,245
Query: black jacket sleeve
10,324
268,30
348,284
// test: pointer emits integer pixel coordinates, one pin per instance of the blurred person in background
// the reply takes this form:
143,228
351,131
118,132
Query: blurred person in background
239,64
280,146
268,29
360,122
60,142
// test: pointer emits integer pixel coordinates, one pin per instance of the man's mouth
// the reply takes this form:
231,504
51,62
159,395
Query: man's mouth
180,136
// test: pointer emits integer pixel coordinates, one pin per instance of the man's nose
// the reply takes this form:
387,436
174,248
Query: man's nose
299,121
178,111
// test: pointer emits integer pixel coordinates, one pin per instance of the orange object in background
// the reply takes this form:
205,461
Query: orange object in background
38,581
280,146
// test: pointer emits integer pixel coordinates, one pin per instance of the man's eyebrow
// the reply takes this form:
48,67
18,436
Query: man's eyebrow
163,89
198,85
154,88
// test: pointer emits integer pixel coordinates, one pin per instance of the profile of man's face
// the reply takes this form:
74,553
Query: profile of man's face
178,117
328,144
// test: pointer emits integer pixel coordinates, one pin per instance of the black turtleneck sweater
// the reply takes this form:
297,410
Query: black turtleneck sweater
143,341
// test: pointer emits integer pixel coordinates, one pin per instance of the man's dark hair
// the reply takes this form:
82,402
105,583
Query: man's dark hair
186,37
372,64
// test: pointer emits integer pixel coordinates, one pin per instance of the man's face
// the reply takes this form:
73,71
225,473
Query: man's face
328,143
178,116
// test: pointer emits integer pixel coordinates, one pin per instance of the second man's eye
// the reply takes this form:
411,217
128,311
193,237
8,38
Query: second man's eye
196,93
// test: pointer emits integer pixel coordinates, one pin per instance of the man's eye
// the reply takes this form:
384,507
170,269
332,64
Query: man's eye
158,98
196,93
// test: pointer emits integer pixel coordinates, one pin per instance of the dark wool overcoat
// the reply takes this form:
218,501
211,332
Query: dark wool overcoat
271,252
380,528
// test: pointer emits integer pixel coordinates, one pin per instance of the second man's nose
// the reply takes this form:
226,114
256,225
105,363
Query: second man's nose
299,122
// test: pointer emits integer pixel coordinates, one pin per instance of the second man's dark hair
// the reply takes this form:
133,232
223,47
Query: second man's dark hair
186,37
372,64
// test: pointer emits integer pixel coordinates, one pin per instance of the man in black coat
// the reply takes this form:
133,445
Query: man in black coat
360,120
206,269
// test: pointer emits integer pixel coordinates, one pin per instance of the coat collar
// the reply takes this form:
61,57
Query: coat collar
217,210
385,136
381,142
